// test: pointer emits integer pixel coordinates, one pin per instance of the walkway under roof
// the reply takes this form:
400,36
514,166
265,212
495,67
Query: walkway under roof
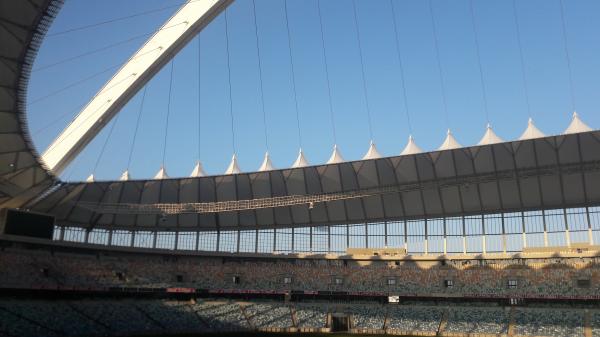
542,173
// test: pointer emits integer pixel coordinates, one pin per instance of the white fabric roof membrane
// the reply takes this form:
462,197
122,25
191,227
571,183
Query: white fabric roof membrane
411,147
336,156
577,125
267,164
450,142
233,167
125,176
198,170
372,153
531,131
489,137
300,160
161,174
91,178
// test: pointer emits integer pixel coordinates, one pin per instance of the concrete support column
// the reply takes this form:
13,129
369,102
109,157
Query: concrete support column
524,230
426,239
256,241
405,236
545,228
385,234
293,234
310,238
589,221
503,235
86,235
483,238
445,240
567,234
464,236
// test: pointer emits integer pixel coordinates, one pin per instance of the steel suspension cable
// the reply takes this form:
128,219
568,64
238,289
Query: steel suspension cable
137,126
234,148
326,66
110,131
521,57
81,81
567,55
52,146
480,67
199,96
439,63
402,78
293,73
164,152
103,48
122,18
58,119
362,69
260,75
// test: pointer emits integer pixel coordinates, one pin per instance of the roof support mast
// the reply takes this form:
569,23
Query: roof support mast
181,28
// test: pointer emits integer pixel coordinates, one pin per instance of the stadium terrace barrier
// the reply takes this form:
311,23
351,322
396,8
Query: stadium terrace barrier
411,333
461,334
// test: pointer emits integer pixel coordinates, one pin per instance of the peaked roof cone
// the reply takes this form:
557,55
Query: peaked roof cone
531,132
450,142
233,167
162,173
91,178
577,125
489,137
198,170
336,156
125,176
300,160
267,164
411,147
372,153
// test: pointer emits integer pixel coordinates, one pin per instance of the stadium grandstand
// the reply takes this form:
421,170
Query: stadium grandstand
498,239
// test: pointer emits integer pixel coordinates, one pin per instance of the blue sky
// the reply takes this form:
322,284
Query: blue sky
546,72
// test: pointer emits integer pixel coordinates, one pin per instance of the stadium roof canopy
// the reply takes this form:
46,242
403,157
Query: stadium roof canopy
23,24
529,174
533,174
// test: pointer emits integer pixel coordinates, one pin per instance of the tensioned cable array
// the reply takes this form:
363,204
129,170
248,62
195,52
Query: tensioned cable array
521,57
137,125
76,83
229,82
92,52
122,18
399,55
439,63
481,79
567,55
362,69
331,112
164,152
260,77
293,73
